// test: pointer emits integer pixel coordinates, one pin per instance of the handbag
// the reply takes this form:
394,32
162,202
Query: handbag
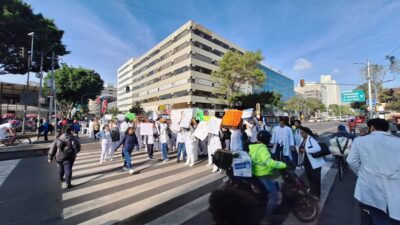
323,152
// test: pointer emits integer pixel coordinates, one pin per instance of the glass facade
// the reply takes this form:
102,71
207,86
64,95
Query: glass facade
277,82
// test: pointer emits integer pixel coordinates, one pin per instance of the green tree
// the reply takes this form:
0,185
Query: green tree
16,21
137,108
295,104
341,110
314,105
73,85
235,71
270,98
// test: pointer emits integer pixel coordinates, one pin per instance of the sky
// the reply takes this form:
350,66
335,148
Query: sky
304,39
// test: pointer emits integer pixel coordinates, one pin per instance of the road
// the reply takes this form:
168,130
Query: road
157,193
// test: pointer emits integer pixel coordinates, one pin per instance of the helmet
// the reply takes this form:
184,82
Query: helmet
264,137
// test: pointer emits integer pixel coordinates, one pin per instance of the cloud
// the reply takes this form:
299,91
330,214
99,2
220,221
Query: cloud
336,71
301,64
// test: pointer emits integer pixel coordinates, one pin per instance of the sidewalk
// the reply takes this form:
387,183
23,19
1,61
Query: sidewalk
37,148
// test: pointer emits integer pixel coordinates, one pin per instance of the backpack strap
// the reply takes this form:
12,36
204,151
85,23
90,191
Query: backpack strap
342,150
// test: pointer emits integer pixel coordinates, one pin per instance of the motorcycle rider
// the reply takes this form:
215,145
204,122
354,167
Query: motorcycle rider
263,167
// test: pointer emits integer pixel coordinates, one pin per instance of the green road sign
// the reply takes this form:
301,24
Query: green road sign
353,96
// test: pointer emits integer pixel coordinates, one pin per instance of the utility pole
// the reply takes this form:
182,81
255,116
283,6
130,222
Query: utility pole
369,90
53,91
30,61
40,89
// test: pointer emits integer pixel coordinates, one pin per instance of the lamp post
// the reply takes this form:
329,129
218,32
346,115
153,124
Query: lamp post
32,34
369,88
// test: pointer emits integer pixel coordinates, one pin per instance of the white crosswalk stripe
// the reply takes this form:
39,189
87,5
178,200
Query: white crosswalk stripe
6,167
104,194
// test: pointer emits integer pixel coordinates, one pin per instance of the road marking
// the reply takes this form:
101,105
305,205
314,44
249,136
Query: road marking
328,175
6,167
183,213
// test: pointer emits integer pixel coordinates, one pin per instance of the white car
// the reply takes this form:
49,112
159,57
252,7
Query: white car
311,121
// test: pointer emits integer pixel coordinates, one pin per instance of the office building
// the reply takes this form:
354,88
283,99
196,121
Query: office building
176,72
276,81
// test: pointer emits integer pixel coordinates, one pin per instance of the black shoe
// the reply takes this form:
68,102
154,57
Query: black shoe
62,179
69,186
177,161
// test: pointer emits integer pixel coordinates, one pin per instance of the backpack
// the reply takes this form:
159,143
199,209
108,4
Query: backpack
68,149
222,158
115,135
324,150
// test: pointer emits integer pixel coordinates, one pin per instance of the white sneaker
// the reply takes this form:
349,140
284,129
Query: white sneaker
215,170
191,165
125,169
111,159
186,163
165,160
131,171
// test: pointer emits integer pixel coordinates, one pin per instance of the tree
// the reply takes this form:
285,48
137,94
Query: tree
315,105
270,98
235,71
305,106
114,111
137,108
74,85
340,110
16,21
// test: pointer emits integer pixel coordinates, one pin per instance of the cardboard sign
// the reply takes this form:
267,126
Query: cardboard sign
120,117
213,125
146,129
232,118
247,113
201,131
176,117
187,116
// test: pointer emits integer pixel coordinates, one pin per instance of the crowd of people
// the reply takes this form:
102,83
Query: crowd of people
269,149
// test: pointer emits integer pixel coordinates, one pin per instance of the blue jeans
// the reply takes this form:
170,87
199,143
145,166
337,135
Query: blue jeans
164,151
127,157
181,150
273,193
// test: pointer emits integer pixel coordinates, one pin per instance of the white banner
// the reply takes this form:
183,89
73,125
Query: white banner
146,129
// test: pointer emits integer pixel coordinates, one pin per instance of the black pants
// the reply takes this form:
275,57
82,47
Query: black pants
313,177
65,169
373,216
150,150
45,134
95,132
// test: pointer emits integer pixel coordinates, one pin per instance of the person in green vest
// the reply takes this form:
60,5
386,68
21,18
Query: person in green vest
263,167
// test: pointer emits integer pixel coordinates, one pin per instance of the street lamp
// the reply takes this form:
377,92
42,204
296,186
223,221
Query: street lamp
369,88
32,34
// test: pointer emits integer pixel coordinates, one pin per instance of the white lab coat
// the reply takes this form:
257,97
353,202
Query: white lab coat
191,146
312,146
163,133
236,140
375,158
297,137
287,142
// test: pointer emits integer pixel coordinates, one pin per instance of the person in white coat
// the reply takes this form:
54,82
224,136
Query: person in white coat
213,144
297,142
236,143
283,142
164,139
312,165
105,137
149,142
375,159
180,145
191,145
90,130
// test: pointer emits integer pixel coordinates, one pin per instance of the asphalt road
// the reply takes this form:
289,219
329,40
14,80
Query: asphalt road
30,192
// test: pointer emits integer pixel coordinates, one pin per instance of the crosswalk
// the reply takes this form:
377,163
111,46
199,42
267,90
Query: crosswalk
154,194
6,167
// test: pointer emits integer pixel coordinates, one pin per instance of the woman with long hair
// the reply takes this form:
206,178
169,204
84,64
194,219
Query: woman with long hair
129,141
105,136
312,165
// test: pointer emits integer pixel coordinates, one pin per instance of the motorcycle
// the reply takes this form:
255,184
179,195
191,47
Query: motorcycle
295,193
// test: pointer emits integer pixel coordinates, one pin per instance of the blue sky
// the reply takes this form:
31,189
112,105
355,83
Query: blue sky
304,39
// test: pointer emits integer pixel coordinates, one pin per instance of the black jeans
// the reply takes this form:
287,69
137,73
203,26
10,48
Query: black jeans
65,169
150,150
373,216
313,177
95,132
45,134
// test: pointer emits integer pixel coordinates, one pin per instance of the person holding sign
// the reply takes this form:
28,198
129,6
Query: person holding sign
191,144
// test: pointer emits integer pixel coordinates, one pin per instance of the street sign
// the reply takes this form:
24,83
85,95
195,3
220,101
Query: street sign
353,96
373,102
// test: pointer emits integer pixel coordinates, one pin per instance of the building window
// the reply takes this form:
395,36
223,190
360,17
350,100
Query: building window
201,69
202,58
166,45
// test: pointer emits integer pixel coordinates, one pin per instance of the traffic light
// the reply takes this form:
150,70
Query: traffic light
302,83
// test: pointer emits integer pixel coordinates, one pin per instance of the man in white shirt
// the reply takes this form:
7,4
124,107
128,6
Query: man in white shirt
3,132
375,159
283,142
297,141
